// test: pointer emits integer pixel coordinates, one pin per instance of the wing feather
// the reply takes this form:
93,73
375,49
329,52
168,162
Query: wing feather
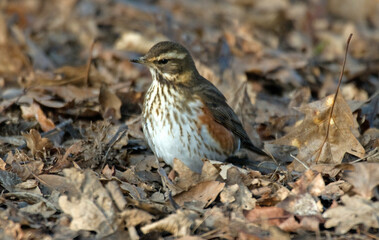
223,113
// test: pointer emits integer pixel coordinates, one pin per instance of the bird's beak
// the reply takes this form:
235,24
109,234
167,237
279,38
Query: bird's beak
141,60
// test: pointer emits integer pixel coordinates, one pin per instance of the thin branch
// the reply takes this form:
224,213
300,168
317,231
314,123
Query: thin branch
372,154
302,163
335,97
89,61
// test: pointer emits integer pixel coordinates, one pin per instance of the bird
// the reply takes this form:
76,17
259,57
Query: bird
184,115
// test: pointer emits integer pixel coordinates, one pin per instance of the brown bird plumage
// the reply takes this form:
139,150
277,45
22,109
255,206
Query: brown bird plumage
184,115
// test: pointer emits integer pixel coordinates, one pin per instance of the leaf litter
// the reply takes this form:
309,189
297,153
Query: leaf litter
73,160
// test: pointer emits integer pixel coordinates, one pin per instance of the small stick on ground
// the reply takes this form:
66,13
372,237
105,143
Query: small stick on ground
89,63
335,98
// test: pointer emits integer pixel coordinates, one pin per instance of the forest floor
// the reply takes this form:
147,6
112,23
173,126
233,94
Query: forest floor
73,160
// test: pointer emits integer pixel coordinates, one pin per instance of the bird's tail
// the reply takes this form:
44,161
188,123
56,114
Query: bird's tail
250,146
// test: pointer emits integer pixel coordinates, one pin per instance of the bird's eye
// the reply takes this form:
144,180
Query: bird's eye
163,61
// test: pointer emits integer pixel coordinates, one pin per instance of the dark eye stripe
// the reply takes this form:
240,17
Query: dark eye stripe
163,61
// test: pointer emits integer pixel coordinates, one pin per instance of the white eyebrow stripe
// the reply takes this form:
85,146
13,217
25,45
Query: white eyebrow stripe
173,55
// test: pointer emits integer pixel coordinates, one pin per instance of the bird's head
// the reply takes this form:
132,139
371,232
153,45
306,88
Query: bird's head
169,61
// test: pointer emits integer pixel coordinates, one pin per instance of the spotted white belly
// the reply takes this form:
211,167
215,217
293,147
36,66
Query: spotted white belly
172,130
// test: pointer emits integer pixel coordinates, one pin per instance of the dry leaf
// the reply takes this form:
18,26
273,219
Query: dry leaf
191,238
39,208
274,216
30,186
65,75
187,178
267,215
309,182
246,112
309,223
12,229
34,111
309,136
115,191
2,164
354,212
301,205
135,192
238,196
227,196
110,104
93,209
364,178
71,93
63,161
58,183
24,171
178,224
334,190
35,143
264,44
205,192
108,172
134,217
9,180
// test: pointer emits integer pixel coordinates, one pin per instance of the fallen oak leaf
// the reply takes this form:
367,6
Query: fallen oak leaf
352,214
326,133
134,217
364,178
93,208
186,178
179,224
309,136
204,192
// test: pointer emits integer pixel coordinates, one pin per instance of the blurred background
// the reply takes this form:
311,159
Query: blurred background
275,54
70,99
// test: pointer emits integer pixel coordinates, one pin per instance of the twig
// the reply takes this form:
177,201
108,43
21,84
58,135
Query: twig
89,61
172,201
374,154
118,135
302,163
335,97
